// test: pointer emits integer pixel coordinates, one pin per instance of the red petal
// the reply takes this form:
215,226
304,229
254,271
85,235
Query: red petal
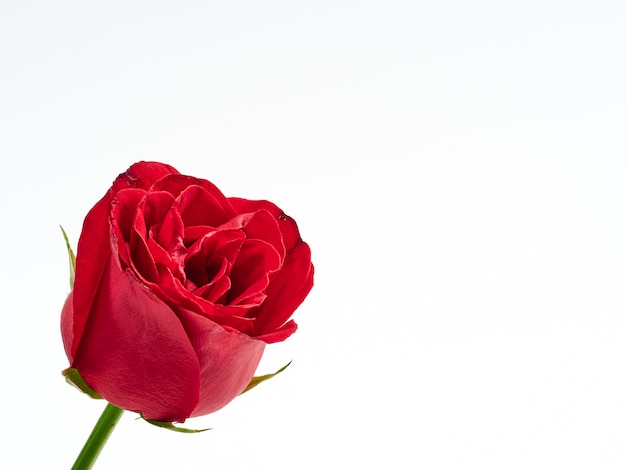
280,334
94,249
287,290
170,234
260,225
142,175
123,210
135,352
227,361
193,234
288,227
199,207
142,260
217,287
251,272
176,184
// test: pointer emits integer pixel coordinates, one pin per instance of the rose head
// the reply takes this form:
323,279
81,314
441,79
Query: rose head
177,290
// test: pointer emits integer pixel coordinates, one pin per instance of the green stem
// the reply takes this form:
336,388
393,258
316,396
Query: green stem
98,437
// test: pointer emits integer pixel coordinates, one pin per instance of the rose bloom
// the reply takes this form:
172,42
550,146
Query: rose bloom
177,290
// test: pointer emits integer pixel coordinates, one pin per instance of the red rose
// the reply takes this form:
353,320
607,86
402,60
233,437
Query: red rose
177,290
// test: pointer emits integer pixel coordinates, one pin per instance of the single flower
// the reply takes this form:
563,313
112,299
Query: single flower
177,291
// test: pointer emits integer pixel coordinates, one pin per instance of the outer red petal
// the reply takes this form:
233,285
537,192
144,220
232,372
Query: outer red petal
135,352
94,248
142,175
227,361
286,291
281,334
291,284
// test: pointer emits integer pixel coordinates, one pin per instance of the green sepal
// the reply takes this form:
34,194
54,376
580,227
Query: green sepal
72,377
72,258
171,427
262,378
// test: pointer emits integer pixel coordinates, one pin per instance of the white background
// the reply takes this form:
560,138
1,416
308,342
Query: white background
457,168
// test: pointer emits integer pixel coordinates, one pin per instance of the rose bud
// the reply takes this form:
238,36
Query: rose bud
177,290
